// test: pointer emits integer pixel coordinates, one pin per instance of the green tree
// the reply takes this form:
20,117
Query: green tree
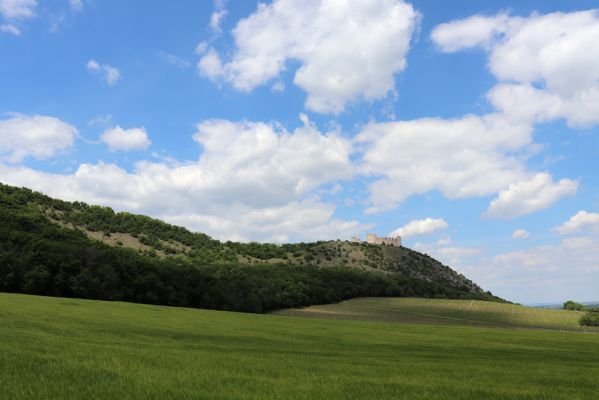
571,305
590,319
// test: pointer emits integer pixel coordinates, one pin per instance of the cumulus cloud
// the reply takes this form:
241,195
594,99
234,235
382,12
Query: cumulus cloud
7,28
542,273
524,102
307,220
477,30
420,227
126,139
581,221
34,136
14,9
109,73
546,64
520,234
253,181
346,50
210,65
454,256
463,157
546,69
530,195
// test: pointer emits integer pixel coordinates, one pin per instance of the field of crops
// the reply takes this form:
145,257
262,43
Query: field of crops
57,348
441,311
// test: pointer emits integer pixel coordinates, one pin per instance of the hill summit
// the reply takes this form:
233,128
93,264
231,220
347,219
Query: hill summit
71,249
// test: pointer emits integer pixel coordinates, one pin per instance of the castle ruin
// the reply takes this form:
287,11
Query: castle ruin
371,238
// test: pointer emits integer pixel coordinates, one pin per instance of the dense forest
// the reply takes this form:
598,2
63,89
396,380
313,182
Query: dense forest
58,248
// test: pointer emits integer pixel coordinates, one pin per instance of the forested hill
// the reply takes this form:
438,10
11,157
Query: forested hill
71,249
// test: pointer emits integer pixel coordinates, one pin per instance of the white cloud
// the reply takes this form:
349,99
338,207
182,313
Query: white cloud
220,12
530,195
7,28
347,50
525,102
547,64
13,9
175,61
278,87
307,220
210,65
126,139
464,157
201,48
581,221
76,5
253,181
110,74
34,136
444,241
270,159
545,273
478,30
548,273
482,155
453,256
420,227
520,234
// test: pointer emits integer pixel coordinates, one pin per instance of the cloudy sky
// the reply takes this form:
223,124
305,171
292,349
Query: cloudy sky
471,129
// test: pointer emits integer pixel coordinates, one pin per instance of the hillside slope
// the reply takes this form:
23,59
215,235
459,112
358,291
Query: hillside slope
54,247
445,312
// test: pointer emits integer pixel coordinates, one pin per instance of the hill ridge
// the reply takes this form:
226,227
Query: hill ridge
107,246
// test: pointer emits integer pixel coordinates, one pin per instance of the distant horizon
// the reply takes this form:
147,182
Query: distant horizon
471,130
586,303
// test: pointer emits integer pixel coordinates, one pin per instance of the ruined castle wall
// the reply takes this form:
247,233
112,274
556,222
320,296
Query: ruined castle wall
374,239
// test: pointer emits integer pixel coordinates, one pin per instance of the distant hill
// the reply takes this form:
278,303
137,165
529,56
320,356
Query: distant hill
72,249
445,312
559,306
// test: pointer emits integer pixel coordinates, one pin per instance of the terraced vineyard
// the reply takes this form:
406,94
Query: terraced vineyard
441,311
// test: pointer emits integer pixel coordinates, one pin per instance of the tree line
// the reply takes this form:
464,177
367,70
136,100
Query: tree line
591,316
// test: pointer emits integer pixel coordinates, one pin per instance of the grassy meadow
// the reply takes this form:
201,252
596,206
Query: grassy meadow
54,348
442,311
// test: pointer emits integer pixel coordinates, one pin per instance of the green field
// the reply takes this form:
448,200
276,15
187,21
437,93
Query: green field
453,312
80,349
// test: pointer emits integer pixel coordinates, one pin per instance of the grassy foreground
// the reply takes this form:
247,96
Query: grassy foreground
81,349
445,312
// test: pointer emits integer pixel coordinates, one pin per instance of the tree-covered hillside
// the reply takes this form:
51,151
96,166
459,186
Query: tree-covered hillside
59,248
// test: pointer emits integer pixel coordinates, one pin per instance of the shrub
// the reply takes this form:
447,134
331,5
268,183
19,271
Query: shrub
590,319
570,305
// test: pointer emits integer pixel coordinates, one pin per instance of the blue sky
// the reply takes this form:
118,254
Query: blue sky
469,128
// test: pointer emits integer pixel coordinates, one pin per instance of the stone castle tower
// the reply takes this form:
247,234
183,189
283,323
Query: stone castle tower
374,239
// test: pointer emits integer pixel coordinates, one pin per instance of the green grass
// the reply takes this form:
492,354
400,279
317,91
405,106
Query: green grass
441,311
79,349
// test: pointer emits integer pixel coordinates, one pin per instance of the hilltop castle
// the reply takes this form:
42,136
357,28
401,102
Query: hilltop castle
374,239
